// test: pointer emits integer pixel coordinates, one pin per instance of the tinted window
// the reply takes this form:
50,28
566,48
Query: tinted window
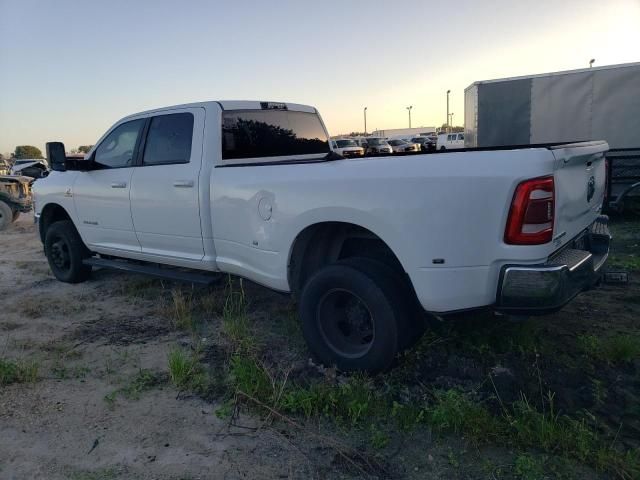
169,139
460,136
117,149
271,133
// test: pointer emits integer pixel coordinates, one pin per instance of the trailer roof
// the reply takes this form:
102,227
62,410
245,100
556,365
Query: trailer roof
551,74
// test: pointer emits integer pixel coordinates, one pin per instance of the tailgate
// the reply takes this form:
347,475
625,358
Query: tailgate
580,182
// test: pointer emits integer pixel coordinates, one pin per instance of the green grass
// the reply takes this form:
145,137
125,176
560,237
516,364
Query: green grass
186,372
528,467
615,349
143,381
18,371
624,261
181,310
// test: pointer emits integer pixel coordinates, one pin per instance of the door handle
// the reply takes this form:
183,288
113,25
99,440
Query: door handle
183,183
119,185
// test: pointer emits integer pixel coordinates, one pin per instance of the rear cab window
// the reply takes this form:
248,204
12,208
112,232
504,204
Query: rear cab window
272,135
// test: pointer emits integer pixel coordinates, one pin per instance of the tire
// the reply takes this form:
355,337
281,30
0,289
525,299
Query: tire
397,285
351,318
65,251
6,215
442,148
15,216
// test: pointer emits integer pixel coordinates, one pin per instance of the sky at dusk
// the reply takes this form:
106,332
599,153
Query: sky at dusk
69,69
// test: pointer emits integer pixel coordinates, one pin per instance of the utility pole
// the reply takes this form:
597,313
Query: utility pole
409,110
447,122
451,122
365,121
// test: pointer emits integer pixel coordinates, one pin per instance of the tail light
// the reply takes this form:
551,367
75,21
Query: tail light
531,215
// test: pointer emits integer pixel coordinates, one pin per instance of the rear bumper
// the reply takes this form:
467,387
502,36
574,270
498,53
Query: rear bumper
539,289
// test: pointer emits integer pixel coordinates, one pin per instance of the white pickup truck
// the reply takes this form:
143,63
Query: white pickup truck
366,246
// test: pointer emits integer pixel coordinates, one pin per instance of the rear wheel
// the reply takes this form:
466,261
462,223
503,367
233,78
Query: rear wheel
350,318
65,252
6,215
398,286
442,148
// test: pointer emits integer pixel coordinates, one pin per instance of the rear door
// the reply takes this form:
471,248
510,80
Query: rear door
165,203
580,180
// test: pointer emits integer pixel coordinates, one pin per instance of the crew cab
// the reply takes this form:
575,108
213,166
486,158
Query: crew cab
365,245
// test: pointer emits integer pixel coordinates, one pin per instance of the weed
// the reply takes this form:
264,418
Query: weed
622,261
142,288
528,467
235,300
18,371
451,410
453,460
182,306
379,439
615,349
186,372
236,329
621,348
235,323
144,380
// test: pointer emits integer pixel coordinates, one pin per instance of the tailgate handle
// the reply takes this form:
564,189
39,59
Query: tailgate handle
119,185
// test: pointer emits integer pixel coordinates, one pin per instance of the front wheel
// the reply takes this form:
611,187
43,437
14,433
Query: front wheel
442,148
350,320
65,252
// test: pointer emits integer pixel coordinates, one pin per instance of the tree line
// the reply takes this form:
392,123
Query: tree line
29,151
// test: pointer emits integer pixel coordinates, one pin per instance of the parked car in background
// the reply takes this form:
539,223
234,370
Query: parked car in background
4,167
427,144
450,141
15,198
402,146
30,167
362,142
378,146
347,147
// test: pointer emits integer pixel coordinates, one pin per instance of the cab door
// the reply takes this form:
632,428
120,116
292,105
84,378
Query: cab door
101,196
165,203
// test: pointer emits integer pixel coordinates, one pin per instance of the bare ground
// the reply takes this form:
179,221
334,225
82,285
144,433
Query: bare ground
82,420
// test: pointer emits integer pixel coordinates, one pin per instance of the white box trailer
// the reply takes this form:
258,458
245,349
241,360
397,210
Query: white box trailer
600,103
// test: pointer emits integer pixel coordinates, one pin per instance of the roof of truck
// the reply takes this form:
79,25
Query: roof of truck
234,105
564,72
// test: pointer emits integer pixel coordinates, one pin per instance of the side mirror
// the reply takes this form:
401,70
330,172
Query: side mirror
56,156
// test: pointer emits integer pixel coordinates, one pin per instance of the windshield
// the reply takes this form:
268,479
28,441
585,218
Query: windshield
395,143
376,141
346,143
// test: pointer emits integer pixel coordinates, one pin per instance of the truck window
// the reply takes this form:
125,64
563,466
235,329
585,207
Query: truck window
271,133
460,136
117,149
169,139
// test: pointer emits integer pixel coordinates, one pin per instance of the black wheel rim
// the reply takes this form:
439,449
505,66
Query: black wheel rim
345,323
59,254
